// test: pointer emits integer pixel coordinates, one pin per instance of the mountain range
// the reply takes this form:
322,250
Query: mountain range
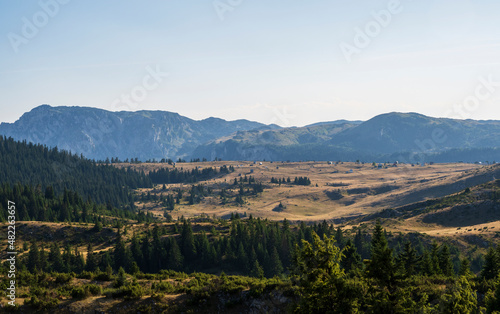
99,134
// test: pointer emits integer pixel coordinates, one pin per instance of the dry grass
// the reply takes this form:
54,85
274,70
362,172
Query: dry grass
365,190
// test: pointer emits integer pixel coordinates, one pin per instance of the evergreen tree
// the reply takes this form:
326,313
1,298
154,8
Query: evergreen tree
351,261
408,260
34,258
491,264
460,298
91,259
426,264
323,288
382,265
187,240
339,237
464,268
55,258
121,279
120,255
275,267
257,270
435,259
242,259
174,256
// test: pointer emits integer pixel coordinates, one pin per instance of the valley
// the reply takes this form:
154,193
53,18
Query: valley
335,193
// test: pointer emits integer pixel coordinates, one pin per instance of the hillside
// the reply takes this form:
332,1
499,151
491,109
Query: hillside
99,134
147,135
392,136
41,167
335,193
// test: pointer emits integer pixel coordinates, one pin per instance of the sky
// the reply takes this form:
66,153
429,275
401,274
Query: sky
291,63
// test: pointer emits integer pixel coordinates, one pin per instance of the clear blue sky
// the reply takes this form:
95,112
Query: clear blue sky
269,61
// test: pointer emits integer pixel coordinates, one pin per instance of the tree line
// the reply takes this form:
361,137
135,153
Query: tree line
33,164
176,175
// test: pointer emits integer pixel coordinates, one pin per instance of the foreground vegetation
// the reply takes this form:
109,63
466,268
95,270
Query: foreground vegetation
85,250
324,272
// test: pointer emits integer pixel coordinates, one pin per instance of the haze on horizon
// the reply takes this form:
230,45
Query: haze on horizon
290,64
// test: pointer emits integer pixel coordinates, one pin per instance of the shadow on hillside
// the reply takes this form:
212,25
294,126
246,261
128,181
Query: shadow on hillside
466,215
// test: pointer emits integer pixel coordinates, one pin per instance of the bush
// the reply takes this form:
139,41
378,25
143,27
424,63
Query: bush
128,292
63,278
103,276
86,275
86,291
79,293
165,287
42,303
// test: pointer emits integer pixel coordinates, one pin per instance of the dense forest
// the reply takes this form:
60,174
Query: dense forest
37,205
34,165
176,175
319,267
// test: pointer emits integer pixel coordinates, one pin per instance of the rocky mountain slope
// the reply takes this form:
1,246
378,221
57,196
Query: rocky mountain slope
389,136
98,134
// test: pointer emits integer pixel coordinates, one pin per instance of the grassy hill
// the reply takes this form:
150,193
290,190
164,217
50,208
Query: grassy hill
385,137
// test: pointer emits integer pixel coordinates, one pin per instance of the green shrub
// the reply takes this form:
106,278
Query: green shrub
63,278
165,287
103,276
79,293
128,292
42,303
86,275
85,291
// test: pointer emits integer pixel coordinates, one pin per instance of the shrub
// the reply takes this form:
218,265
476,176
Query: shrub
103,276
165,287
86,291
79,293
63,277
128,292
42,303
86,275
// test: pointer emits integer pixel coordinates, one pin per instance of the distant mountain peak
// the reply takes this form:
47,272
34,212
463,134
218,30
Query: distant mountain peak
98,133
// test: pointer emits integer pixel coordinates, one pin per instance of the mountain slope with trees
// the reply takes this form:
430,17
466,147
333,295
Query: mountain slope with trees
101,134
37,165
394,136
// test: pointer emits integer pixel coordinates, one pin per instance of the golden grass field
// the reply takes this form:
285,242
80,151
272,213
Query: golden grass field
365,191
335,192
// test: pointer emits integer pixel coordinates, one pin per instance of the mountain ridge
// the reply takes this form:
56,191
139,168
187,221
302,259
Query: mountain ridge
146,134
98,133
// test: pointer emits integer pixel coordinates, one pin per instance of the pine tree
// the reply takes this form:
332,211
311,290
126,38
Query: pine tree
491,264
339,237
460,298
91,259
119,254
55,258
174,256
135,249
381,266
44,265
426,264
464,268
445,263
257,270
322,283
121,279
275,266
242,259
436,265
34,258
408,260
187,240
351,261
